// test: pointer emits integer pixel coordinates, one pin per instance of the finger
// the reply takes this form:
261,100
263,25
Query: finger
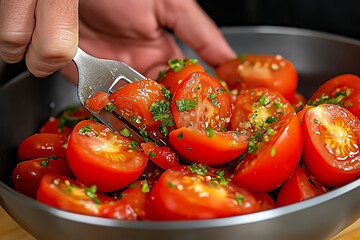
193,26
16,26
55,39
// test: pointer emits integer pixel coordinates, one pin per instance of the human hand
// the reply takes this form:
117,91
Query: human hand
130,31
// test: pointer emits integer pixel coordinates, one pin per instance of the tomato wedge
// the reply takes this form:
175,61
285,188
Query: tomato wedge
342,90
251,71
178,70
202,102
164,157
69,195
276,139
331,150
211,148
101,157
299,187
194,192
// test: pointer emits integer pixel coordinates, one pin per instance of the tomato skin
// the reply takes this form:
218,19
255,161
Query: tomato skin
342,82
42,145
173,78
103,158
205,112
164,157
261,172
177,185
252,71
196,146
299,187
319,125
27,174
275,143
265,201
52,126
59,192
302,112
134,101
98,101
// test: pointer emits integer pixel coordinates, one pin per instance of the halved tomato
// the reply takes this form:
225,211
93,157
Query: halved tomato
300,186
201,102
211,148
178,70
331,150
54,125
342,90
251,71
43,145
201,110
69,195
27,174
276,139
194,192
265,200
98,156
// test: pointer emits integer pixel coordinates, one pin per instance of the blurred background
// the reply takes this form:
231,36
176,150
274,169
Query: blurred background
332,16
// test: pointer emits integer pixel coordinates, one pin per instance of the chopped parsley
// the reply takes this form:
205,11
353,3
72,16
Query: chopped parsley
239,198
184,104
180,136
85,129
272,151
263,100
220,177
161,112
337,99
91,193
214,99
210,132
152,154
198,169
125,132
145,187
109,107
44,163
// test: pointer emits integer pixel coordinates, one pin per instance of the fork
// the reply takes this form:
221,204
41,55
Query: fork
103,75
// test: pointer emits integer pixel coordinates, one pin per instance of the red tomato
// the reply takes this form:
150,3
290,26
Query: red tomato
193,192
343,90
134,100
42,145
331,150
275,145
54,125
252,71
131,202
27,174
299,187
98,101
101,157
202,102
161,156
265,201
211,148
178,70
302,112
298,101
66,194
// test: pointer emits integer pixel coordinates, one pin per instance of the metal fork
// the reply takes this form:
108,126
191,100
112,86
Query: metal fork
96,75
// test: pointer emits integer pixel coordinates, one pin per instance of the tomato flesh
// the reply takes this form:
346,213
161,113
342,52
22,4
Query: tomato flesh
98,156
331,144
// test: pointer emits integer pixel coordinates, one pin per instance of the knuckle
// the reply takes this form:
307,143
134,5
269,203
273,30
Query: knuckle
13,45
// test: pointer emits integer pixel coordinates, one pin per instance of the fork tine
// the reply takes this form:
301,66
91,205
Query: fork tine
96,75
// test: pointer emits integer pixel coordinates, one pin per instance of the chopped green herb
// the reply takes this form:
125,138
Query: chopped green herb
91,193
220,177
145,187
85,129
193,60
176,64
137,119
152,154
167,94
210,132
239,198
263,100
316,120
242,57
272,151
161,75
213,98
252,146
125,132
170,184
198,169
133,145
143,133
184,105
133,185
109,107
121,195
180,136
44,163
212,183
278,104
272,119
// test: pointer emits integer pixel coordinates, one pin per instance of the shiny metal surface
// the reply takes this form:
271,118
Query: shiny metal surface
28,101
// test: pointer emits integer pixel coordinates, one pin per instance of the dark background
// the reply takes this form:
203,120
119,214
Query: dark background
333,16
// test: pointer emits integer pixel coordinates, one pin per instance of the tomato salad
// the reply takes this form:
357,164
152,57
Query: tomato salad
239,142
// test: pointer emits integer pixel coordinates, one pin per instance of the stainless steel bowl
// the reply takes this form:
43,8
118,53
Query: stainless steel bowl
26,102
